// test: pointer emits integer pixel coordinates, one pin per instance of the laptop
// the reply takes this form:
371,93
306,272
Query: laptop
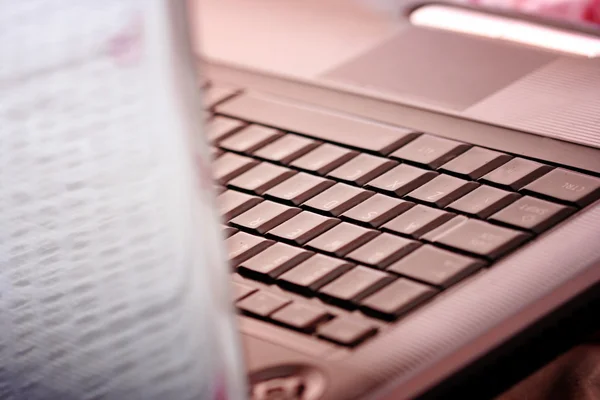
409,192
408,211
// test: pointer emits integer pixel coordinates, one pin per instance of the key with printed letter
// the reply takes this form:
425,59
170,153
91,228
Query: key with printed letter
436,266
342,239
345,331
377,210
430,151
273,261
324,159
264,216
299,188
230,165
442,190
286,149
515,173
240,291
219,189
215,153
355,285
532,214
443,228
220,128
303,227
362,169
397,298
313,273
232,203
262,303
250,139
475,162
242,246
483,201
417,221
301,316
229,231
401,180
383,250
482,239
214,95
337,199
261,178
566,186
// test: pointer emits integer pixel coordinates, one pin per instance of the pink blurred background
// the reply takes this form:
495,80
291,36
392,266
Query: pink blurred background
587,11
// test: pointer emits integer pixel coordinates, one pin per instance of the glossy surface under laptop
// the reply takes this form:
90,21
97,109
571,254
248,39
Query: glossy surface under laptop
398,201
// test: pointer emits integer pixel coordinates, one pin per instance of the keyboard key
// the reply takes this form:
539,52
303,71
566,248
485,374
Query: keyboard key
232,203
214,95
273,261
264,216
566,186
355,285
324,159
261,178
442,190
303,227
242,246
482,239
220,128
446,226
436,266
299,188
377,210
532,214
300,316
229,231
262,303
417,221
475,162
345,331
401,180
337,199
383,250
430,151
215,153
342,239
230,165
516,173
240,291
361,169
313,273
397,298
319,124
251,138
286,149
483,201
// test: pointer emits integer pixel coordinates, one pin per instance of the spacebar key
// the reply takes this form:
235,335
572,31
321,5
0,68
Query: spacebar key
318,123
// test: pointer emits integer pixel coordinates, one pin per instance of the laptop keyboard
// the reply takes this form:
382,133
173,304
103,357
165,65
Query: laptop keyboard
347,226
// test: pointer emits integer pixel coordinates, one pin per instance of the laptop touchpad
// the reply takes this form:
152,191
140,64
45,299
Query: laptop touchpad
454,74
